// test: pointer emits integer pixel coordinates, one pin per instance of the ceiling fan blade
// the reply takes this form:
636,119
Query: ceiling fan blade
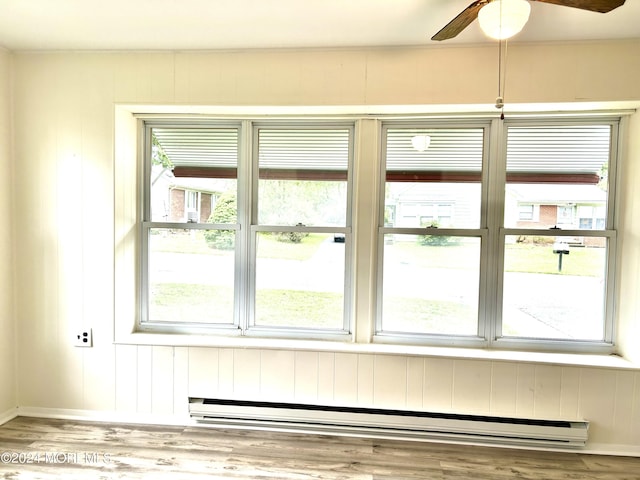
462,21
602,6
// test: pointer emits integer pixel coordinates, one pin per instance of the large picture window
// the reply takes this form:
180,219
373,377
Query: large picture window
472,232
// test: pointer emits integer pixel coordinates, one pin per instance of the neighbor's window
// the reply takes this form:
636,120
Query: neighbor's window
431,236
526,212
264,257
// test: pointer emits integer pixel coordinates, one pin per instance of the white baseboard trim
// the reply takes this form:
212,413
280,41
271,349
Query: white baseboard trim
185,421
623,450
106,416
8,415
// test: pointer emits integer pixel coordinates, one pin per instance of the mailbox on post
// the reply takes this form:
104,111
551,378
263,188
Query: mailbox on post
560,248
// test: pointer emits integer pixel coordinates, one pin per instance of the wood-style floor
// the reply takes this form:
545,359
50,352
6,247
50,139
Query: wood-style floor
32,448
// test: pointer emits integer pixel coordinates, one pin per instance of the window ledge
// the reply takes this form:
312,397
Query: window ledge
559,359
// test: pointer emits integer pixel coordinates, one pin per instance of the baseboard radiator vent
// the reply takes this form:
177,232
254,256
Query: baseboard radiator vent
392,424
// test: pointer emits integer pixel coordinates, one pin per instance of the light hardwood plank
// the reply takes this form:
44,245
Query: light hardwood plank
87,450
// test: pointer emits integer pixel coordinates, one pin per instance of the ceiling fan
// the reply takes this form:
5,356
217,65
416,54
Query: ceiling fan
469,14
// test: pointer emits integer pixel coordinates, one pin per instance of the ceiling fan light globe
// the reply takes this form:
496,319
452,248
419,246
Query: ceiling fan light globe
502,19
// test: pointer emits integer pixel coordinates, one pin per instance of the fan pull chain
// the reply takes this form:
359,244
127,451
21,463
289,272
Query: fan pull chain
502,77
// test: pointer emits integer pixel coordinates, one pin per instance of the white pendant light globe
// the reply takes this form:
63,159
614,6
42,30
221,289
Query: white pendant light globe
501,19
420,142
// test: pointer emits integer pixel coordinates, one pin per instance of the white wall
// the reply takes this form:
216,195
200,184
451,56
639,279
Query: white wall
8,399
64,218
629,263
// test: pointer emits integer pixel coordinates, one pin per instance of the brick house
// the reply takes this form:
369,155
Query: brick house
183,199
568,207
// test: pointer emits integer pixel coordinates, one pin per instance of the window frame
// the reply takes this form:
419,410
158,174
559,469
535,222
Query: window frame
494,233
256,227
146,224
481,231
129,177
606,345
246,228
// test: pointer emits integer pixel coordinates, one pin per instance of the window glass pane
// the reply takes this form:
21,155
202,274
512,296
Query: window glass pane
561,170
191,277
554,287
431,284
433,177
303,176
300,280
192,168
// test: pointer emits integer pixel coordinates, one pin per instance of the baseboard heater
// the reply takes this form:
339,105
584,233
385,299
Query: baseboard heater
392,424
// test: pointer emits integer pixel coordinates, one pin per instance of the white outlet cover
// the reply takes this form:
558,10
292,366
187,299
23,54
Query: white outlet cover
83,338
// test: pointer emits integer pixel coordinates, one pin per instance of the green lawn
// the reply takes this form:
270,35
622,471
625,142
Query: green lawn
270,247
581,261
193,242
298,308
179,302
452,256
528,258
214,304
188,241
430,316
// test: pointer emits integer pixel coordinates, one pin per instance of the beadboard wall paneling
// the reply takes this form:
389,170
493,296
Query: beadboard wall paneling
65,224
8,393
305,381
438,384
203,381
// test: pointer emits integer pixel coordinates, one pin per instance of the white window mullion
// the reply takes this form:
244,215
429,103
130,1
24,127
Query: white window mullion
245,258
491,262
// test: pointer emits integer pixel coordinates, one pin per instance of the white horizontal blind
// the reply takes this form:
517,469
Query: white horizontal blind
307,149
199,147
558,148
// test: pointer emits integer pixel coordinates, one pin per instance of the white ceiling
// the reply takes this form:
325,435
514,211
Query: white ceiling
229,24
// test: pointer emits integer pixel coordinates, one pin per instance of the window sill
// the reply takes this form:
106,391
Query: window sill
559,359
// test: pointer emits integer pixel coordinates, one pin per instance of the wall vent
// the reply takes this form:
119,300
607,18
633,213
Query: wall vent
382,423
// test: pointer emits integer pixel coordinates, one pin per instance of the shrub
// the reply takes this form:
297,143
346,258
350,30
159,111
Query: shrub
436,240
225,211
292,237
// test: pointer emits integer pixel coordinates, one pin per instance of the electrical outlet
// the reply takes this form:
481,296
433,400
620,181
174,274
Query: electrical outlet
83,338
